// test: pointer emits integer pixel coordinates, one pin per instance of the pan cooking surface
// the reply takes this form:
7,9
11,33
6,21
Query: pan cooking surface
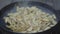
12,7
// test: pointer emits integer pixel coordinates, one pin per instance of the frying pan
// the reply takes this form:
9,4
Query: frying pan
11,7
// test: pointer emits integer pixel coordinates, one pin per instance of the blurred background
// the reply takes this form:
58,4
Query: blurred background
53,3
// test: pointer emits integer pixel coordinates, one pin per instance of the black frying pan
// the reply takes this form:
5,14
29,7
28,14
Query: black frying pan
11,6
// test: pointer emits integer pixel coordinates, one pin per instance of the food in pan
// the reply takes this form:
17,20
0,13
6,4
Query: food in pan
29,20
